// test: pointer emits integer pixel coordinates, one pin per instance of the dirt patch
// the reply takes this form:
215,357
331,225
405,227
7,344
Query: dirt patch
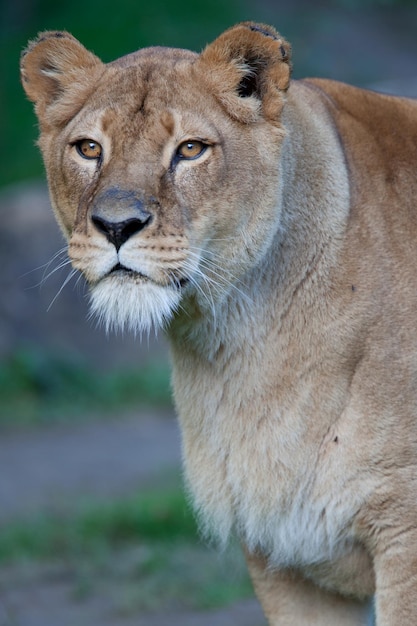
45,597
51,467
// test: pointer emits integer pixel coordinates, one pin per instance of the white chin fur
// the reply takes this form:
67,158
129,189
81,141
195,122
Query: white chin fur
132,305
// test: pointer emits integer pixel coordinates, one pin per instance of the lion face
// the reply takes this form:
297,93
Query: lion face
154,165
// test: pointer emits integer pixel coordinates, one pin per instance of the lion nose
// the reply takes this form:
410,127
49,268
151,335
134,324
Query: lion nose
119,232
119,214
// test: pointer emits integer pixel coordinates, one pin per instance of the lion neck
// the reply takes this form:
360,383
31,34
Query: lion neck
246,362
313,209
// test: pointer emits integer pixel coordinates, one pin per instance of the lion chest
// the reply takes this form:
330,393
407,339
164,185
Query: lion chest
257,468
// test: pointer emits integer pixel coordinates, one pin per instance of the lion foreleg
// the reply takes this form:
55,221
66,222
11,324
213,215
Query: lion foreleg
289,600
396,580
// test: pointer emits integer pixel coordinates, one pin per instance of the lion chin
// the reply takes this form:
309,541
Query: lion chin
132,304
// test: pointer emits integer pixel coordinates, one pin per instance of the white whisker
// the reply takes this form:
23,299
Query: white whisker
78,282
222,273
193,274
66,281
60,254
202,256
45,266
63,264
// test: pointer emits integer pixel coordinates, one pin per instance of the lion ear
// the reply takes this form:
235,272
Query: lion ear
53,63
248,67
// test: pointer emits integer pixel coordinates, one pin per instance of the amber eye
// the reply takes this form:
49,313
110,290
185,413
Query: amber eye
89,149
191,149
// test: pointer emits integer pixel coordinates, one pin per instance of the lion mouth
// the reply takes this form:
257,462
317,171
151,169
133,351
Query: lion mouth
122,269
126,300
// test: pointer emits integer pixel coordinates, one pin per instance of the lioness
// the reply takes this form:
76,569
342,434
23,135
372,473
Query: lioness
271,228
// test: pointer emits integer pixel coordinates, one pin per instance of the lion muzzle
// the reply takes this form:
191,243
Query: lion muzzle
119,215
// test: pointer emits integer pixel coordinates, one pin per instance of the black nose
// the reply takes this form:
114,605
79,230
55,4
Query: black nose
119,232
119,214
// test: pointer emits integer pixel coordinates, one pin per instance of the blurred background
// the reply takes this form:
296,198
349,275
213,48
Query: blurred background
94,528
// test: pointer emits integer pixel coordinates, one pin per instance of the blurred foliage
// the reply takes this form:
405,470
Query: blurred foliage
364,4
156,516
110,30
143,552
37,387
114,30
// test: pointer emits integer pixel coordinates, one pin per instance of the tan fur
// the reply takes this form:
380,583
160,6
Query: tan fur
282,261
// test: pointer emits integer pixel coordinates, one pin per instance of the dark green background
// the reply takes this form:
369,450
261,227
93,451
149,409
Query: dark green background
329,38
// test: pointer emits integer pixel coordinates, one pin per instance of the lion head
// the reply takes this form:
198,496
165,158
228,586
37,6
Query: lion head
162,166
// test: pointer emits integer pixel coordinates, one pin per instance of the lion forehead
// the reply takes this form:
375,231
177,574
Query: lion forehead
130,100
159,54
149,83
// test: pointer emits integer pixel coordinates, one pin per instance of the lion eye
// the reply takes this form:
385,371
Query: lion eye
89,149
191,149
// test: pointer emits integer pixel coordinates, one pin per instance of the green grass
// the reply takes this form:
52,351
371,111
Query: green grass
143,551
155,517
37,388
